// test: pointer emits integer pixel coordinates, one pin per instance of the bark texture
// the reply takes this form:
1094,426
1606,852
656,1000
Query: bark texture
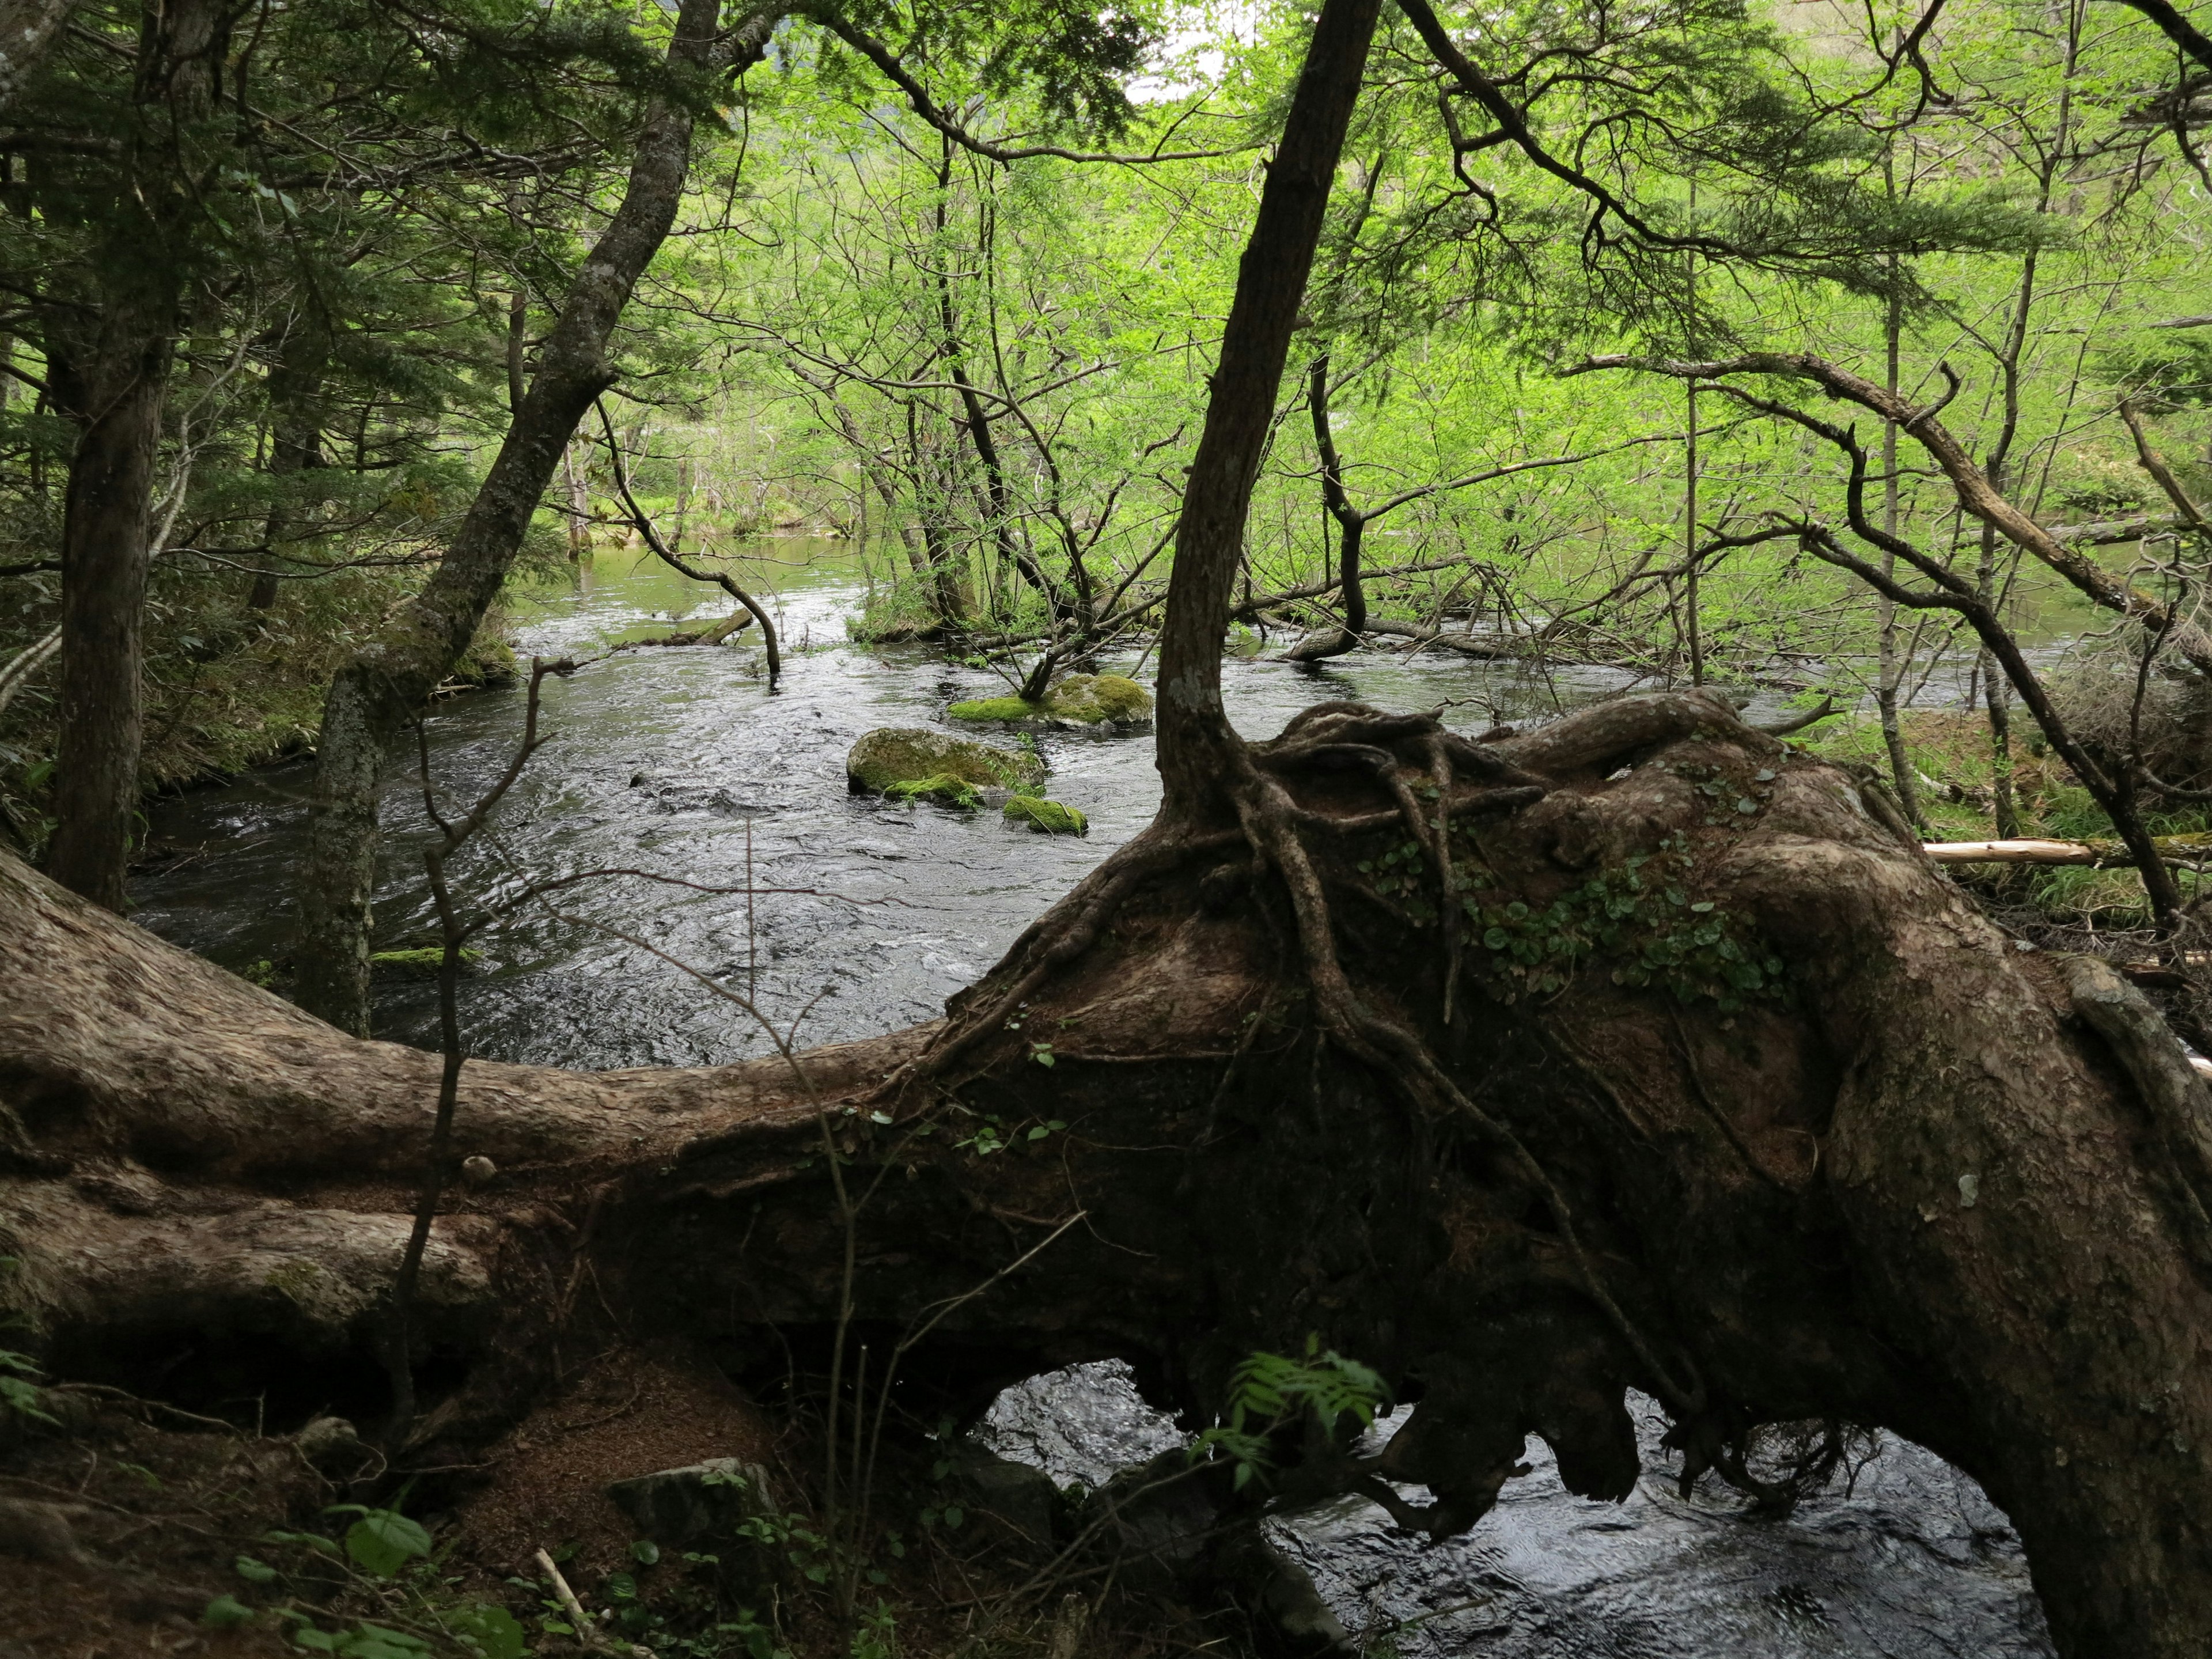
108,361
1255,342
1931,1182
372,698
27,31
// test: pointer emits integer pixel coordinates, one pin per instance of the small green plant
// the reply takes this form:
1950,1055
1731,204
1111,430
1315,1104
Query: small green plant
941,787
1642,919
391,1559
381,1541
1269,1392
19,1395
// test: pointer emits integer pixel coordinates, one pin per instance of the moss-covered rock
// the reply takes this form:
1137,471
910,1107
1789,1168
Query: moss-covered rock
892,755
943,787
1079,700
423,963
1091,698
996,708
1046,817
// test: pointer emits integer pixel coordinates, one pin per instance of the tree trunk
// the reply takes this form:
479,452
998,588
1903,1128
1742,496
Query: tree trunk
1194,738
1916,1180
106,521
27,30
109,368
372,698
1351,529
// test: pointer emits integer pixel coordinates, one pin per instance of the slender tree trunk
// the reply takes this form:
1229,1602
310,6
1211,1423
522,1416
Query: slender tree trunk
374,696
1194,738
1350,523
1890,668
297,413
580,503
105,524
111,377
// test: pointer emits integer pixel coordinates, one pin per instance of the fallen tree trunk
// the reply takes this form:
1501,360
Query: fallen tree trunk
1760,1117
2099,854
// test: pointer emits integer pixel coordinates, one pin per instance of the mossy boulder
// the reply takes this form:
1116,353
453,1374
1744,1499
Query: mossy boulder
423,963
1046,817
891,755
1078,700
1091,698
943,788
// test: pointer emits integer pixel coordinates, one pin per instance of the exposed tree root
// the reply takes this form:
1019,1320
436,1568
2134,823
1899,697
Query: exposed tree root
1908,1178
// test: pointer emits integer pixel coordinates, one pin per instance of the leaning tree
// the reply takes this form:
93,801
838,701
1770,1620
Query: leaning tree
1635,1051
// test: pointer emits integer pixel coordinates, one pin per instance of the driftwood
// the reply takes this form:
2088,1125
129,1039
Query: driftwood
2100,854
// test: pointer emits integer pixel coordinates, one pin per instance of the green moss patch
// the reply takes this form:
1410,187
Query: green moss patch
424,962
1079,700
892,755
1094,698
943,788
996,708
1045,816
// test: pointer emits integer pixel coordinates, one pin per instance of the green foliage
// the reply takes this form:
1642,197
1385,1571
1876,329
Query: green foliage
225,1611
381,1541
1269,1392
994,709
1045,816
942,788
19,1395
391,1557
1642,923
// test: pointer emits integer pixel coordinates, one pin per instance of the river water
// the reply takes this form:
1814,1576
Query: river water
680,762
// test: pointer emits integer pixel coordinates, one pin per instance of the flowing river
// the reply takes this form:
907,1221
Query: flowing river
679,762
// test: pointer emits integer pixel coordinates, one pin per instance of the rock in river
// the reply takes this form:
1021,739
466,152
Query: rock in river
891,755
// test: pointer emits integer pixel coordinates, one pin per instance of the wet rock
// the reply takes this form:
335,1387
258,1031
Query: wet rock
1156,1520
1079,1425
1018,1497
36,1532
1046,817
334,1446
1280,1595
1096,702
677,1508
890,754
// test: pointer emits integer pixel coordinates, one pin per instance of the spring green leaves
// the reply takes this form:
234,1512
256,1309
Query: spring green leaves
1269,1392
1639,925
382,1541
384,1548
19,1394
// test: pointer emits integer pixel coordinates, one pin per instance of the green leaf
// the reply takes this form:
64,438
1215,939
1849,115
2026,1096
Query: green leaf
224,1612
253,1572
312,1541
384,1540
646,1550
24,1398
494,1630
